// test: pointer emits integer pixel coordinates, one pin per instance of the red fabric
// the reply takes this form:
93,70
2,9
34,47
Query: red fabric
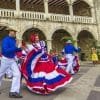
19,54
0,55
44,67
23,68
42,86
76,68
63,61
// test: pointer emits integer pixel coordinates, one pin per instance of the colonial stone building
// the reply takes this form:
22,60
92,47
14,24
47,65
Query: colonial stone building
53,20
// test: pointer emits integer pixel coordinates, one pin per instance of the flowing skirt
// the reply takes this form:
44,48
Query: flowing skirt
42,76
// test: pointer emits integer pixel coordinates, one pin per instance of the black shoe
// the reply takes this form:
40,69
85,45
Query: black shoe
15,95
0,92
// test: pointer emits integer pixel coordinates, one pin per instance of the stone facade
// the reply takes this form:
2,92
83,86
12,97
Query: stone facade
52,24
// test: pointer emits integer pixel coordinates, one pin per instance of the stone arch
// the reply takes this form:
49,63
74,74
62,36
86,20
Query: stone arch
87,1
58,7
29,31
85,9
32,5
8,4
34,26
88,29
3,31
67,29
86,41
57,39
14,26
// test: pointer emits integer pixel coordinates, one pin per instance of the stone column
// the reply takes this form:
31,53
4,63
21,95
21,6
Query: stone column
19,38
17,7
71,10
49,45
93,14
46,7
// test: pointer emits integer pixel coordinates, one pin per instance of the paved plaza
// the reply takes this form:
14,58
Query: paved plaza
85,86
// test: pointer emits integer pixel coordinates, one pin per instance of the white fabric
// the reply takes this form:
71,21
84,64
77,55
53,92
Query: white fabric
62,64
7,63
29,47
74,63
9,73
70,59
48,76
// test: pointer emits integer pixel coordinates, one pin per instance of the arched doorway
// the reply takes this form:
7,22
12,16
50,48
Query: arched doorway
81,8
58,41
28,32
86,41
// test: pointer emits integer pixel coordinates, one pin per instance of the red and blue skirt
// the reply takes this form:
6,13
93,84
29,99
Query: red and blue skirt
42,76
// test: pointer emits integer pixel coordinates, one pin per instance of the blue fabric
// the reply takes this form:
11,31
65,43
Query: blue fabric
44,57
8,47
43,79
28,68
70,49
55,59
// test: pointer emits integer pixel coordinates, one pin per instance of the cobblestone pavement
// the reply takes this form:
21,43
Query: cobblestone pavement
85,86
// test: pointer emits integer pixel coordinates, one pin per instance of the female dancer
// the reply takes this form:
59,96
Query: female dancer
41,75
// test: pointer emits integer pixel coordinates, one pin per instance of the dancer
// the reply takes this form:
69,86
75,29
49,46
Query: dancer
62,62
69,51
94,56
9,50
42,76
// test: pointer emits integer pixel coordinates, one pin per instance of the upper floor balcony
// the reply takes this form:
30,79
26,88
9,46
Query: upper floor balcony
50,10
42,16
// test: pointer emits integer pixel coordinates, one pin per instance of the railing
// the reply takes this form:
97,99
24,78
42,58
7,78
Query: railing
61,18
42,16
81,19
32,15
68,18
7,13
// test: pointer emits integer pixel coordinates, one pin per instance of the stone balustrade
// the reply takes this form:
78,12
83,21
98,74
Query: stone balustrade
32,15
7,13
59,17
83,19
42,16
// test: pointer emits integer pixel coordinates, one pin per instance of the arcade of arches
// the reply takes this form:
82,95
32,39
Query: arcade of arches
85,39
54,6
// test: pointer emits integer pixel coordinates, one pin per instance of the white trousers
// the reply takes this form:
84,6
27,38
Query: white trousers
7,63
9,73
70,59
